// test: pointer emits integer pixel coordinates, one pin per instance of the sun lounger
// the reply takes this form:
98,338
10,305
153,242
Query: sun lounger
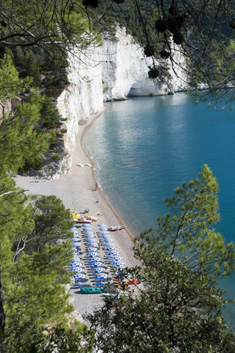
76,285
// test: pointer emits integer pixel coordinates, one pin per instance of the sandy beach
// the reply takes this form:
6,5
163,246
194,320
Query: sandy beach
78,192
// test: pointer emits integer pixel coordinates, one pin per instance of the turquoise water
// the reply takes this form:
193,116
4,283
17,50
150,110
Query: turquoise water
145,147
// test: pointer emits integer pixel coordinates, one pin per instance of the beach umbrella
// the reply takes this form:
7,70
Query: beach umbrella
92,251
86,225
104,234
101,275
75,241
107,241
98,263
76,259
102,226
88,233
90,240
80,276
89,236
92,247
87,230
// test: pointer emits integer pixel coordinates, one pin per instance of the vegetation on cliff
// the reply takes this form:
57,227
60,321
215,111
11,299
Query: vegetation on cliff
202,31
35,37
35,242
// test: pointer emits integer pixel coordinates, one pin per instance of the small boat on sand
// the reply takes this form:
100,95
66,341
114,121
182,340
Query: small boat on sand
91,218
114,229
83,220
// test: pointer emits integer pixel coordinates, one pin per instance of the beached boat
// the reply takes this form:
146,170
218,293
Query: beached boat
83,220
114,229
91,218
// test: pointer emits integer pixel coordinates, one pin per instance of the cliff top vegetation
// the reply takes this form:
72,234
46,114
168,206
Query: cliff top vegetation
35,37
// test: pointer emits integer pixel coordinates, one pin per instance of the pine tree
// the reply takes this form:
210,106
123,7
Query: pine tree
35,246
178,303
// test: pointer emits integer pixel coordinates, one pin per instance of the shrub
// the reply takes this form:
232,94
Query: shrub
56,156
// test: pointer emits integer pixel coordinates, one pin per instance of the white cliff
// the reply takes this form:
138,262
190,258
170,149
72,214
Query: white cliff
125,70
82,98
117,70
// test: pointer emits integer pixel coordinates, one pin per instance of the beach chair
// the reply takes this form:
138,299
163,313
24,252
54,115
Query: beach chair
101,284
76,285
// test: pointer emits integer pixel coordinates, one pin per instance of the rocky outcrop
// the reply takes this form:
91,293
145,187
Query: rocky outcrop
82,98
125,70
116,70
8,106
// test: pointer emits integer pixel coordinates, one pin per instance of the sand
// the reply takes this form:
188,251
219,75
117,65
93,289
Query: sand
78,192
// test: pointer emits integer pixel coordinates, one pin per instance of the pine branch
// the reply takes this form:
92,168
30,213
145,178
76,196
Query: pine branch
13,192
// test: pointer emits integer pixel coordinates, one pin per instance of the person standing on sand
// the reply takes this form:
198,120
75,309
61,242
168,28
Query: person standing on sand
96,187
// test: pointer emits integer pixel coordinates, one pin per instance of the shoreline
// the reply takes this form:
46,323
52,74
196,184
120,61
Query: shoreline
102,194
77,191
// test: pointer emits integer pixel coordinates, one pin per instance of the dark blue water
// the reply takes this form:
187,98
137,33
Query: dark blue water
145,147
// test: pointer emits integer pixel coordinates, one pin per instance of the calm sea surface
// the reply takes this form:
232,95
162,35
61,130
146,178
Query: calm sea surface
145,147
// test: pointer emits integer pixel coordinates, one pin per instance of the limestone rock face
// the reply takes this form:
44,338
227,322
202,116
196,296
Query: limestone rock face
8,106
83,96
125,70
124,64
114,71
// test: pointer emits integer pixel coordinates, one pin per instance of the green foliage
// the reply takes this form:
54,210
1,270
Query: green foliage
49,115
177,305
35,246
56,156
68,340
34,250
50,27
187,230
23,141
202,32
10,84
20,141
140,24
50,225
38,37
51,338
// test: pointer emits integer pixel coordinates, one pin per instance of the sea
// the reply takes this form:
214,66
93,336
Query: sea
143,148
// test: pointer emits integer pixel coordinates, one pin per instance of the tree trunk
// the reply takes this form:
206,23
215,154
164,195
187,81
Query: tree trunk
2,320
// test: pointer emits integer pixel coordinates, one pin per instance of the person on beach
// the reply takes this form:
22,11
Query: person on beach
96,187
